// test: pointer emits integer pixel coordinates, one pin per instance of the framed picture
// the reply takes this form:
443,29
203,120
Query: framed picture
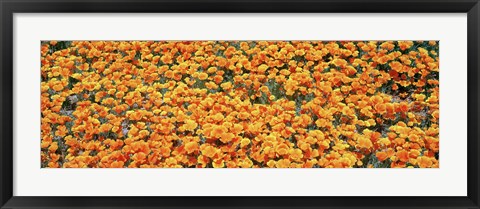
239,104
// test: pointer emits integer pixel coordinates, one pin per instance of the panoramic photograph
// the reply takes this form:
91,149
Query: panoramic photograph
239,104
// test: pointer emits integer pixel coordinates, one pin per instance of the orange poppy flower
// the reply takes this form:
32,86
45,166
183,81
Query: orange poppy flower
381,156
403,155
191,147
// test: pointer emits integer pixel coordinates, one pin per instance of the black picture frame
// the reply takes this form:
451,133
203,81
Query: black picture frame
9,7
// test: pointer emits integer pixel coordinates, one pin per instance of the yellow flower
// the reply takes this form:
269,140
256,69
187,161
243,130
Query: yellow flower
191,147
202,76
227,137
53,147
208,151
190,125
244,142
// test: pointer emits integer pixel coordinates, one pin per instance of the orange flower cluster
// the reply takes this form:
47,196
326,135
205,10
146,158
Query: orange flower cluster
240,104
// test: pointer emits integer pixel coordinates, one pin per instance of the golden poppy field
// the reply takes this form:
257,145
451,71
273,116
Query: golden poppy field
239,104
